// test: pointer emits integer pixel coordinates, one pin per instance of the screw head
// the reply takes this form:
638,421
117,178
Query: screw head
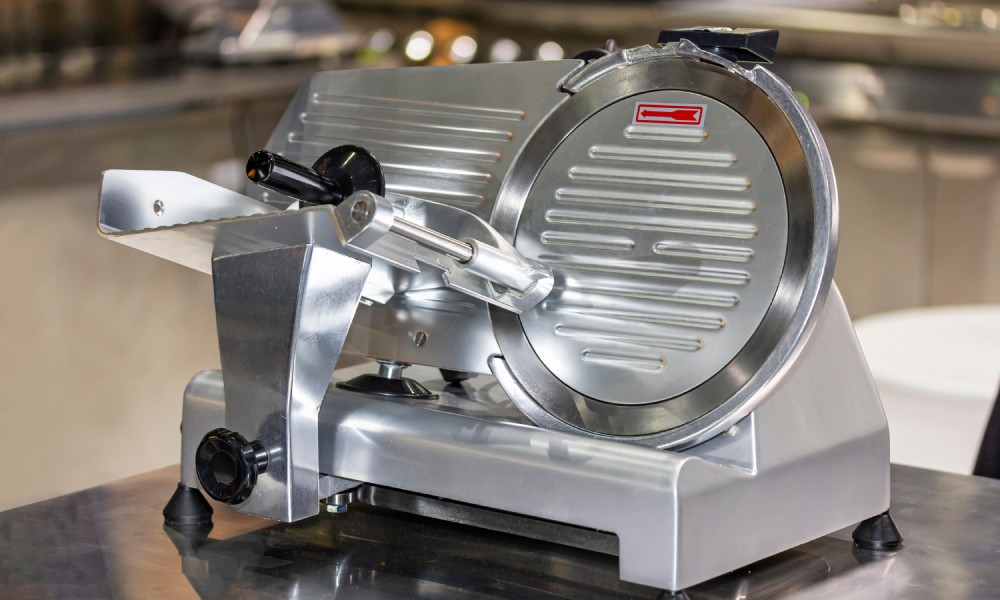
158,208
360,211
420,338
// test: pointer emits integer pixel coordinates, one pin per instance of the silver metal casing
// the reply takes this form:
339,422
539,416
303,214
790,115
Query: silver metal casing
689,362
747,454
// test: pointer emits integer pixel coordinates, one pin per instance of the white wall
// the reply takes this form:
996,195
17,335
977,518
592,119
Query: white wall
97,342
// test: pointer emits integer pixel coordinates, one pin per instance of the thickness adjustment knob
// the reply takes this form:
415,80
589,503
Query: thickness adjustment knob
228,465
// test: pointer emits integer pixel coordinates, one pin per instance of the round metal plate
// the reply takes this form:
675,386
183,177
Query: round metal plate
667,242
720,392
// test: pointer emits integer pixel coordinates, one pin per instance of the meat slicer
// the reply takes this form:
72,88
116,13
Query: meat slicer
613,277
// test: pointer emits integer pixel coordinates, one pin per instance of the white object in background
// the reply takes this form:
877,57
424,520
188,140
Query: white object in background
937,371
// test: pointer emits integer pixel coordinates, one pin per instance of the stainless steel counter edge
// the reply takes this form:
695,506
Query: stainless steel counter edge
109,541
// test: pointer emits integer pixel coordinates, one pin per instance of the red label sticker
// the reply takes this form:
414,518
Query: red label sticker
669,114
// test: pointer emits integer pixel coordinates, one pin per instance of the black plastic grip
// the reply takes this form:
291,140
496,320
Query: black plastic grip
292,179
334,176
737,45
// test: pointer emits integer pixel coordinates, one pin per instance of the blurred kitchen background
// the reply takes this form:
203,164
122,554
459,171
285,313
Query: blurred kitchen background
97,341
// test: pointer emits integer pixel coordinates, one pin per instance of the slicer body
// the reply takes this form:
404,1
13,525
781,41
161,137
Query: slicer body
685,390
811,460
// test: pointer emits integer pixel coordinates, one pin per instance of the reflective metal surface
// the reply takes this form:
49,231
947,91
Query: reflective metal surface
673,234
797,148
109,542
285,297
447,135
137,200
434,141
477,261
278,363
812,459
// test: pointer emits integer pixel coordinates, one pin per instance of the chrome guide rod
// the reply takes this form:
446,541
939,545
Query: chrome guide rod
434,240
365,217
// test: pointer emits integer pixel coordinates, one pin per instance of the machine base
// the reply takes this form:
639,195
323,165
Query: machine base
811,459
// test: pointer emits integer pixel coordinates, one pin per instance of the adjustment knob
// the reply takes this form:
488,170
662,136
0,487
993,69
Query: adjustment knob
228,465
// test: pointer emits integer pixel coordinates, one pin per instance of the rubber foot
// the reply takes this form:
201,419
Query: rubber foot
878,533
187,509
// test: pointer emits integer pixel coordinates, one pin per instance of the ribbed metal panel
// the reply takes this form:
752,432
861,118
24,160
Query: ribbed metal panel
430,146
445,134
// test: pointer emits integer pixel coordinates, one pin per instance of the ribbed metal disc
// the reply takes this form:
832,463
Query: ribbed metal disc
667,241
691,247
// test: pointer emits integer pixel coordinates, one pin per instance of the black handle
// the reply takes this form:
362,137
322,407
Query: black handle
334,176
292,179
736,45
228,465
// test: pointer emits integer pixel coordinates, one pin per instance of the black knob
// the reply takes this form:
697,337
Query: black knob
737,45
228,465
334,176
595,53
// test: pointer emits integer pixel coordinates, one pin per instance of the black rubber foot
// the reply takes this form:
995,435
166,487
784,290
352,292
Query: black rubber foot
187,509
878,533
385,386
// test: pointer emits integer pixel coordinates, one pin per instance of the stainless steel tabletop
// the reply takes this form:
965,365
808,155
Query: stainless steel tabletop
109,542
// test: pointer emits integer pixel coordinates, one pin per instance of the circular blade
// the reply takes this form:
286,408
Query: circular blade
687,210
667,241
